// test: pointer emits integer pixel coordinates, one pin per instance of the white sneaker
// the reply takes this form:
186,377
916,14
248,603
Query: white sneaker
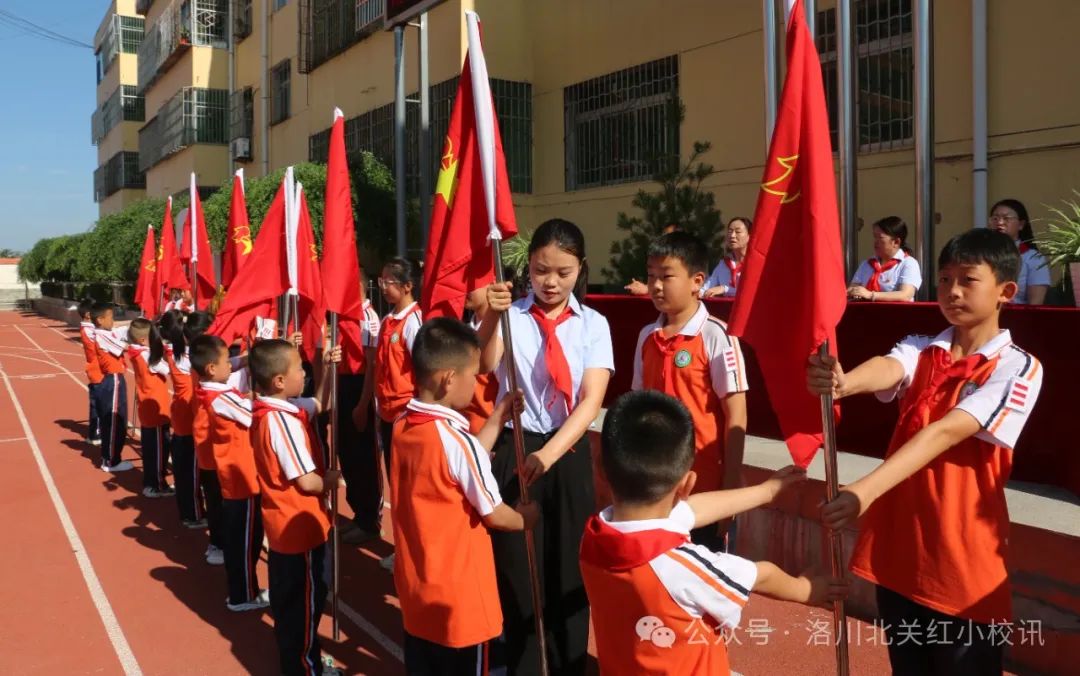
328,668
122,466
261,600
214,556
387,563
94,442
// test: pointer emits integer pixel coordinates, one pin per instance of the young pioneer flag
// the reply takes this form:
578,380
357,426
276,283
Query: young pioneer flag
792,292
170,272
147,295
465,217
305,281
196,249
238,244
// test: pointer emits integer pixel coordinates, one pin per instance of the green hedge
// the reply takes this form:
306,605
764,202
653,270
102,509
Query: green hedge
111,251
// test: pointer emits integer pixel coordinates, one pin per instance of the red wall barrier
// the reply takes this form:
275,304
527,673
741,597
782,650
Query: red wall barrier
1049,448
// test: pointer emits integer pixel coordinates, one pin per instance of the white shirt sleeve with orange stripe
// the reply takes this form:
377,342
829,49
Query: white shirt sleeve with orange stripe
470,467
290,445
232,407
727,368
1005,400
705,583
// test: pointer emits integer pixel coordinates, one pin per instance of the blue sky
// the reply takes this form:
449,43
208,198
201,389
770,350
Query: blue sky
46,158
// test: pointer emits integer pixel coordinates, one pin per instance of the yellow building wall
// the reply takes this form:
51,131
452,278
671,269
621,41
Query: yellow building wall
172,175
119,200
124,136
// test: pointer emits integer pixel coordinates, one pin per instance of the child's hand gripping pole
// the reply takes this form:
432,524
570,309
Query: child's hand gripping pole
832,488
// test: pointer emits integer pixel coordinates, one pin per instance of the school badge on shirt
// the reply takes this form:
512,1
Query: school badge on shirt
682,358
969,389
394,338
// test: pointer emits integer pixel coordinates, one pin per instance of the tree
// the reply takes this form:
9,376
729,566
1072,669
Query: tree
111,251
10,253
678,201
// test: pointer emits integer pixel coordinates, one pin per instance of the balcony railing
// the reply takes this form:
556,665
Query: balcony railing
125,105
193,116
183,24
329,27
120,172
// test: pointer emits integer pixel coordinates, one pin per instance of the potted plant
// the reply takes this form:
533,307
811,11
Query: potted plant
1060,243
515,258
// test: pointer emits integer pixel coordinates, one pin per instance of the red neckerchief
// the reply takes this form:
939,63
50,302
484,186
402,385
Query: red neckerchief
207,396
874,284
736,270
554,357
1024,247
945,378
611,549
669,347
259,409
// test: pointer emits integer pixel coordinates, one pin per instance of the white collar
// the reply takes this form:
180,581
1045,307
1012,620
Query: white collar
996,344
215,387
87,325
404,311
280,404
438,410
668,524
693,325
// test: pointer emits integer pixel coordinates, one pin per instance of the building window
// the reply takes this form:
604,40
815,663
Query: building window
193,116
125,105
373,131
884,96
278,4
131,33
120,172
623,126
241,19
202,23
279,91
329,27
242,116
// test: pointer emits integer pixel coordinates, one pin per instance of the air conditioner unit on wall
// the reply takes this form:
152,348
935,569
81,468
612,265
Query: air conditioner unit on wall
241,149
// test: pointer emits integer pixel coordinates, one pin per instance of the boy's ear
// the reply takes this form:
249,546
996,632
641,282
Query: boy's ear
1008,291
685,486
698,278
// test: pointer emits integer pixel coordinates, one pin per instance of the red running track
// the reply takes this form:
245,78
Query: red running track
100,580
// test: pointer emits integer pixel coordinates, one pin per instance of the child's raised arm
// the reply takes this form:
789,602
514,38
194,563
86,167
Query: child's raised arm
825,376
813,591
489,433
714,506
507,518
929,443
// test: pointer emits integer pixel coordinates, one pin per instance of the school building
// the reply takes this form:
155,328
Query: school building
584,92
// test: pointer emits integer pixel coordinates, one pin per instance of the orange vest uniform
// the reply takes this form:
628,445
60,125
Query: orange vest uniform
356,336
151,387
89,346
483,401
660,603
698,366
393,365
229,414
444,568
940,537
200,428
295,522
183,393
110,352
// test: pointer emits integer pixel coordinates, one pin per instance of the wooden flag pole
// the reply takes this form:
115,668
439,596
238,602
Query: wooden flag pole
519,455
836,542
334,491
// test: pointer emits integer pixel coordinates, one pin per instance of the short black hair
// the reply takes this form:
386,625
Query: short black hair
205,350
99,310
647,446
85,306
268,359
442,343
983,245
684,247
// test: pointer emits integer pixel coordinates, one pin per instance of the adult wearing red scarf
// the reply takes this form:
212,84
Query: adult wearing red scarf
891,274
724,280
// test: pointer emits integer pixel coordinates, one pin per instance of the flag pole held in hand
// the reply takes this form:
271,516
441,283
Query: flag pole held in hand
836,540
334,491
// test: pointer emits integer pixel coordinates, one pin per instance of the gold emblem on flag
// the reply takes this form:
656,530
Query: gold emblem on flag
161,252
242,236
447,183
314,252
779,186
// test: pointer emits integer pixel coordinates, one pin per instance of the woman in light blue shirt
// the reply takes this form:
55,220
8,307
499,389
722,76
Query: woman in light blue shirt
563,361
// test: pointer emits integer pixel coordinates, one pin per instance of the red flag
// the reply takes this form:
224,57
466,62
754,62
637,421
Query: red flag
170,273
311,309
200,257
792,291
257,285
472,197
147,295
238,244
340,265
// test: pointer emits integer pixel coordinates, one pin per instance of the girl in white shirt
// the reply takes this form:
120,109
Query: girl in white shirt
563,361
724,280
1011,217
891,273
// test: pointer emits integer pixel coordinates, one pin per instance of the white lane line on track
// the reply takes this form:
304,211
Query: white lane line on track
72,354
371,630
56,363
93,584
4,441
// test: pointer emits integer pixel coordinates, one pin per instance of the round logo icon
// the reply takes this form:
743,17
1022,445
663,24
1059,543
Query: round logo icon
682,358
969,389
394,338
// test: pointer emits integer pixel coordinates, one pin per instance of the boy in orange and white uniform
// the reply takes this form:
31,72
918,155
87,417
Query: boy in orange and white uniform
147,356
111,393
93,370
